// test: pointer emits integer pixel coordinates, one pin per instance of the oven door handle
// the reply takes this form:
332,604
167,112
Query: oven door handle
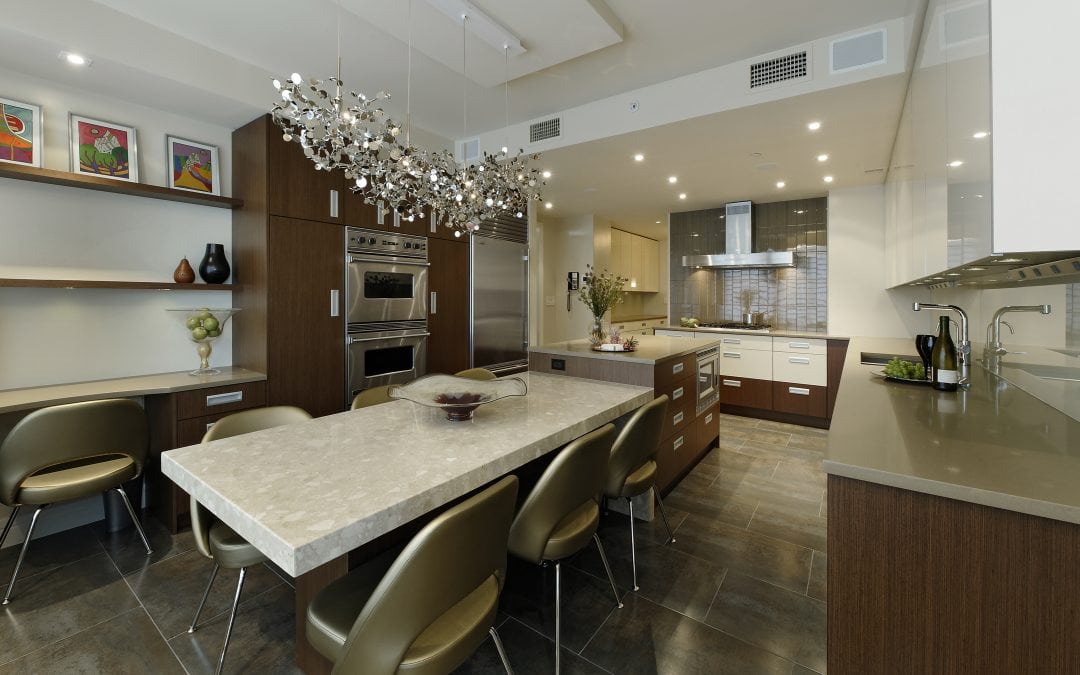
350,339
388,260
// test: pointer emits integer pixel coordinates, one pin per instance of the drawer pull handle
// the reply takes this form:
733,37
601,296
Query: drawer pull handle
732,383
223,399
335,303
677,394
801,391
333,203
799,359
708,418
208,425
732,341
677,419
799,345
732,355
677,444
677,368
380,213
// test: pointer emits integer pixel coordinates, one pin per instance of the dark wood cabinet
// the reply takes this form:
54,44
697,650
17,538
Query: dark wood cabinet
799,399
417,227
746,391
448,307
295,188
358,213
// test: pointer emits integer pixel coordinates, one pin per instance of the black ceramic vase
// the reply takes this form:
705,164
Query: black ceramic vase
214,268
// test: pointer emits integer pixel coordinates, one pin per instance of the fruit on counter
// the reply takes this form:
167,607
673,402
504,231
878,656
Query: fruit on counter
210,323
688,322
203,325
905,370
192,322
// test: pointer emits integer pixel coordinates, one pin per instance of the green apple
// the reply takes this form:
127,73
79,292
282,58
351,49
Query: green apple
205,314
213,333
192,322
210,324
198,334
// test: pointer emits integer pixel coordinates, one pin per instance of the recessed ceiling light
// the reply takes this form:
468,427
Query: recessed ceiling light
694,234
682,195
956,162
639,157
828,179
658,222
822,158
780,183
980,134
673,179
799,212
546,174
979,196
813,126
548,205
75,59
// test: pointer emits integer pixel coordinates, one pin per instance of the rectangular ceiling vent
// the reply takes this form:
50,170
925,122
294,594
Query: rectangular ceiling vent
793,66
964,25
470,150
858,51
542,131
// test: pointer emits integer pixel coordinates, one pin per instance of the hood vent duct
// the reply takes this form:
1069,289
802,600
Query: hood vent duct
739,235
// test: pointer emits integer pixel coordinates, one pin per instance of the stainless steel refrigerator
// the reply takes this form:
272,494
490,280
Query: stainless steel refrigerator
500,298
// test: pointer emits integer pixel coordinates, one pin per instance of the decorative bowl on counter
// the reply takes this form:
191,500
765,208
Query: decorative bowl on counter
204,326
458,396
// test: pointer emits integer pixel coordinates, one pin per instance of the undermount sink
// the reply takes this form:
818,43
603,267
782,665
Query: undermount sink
877,359
1047,372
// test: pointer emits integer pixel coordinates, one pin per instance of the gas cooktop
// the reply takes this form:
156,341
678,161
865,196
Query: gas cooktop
735,325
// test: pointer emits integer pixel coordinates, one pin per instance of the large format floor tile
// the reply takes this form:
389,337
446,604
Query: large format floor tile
790,525
48,553
697,495
126,548
529,652
818,576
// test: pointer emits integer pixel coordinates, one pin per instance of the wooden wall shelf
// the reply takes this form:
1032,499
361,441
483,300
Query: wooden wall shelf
119,285
68,179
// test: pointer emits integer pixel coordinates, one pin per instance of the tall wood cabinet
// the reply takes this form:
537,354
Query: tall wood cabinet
448,309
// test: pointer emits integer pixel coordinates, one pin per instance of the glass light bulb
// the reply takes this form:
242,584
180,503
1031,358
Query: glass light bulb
489,201
296,79
361,182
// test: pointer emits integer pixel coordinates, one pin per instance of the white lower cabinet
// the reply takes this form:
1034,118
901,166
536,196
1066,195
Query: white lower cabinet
809,369
741,362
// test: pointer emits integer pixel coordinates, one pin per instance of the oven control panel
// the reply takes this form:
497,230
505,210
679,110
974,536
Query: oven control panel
385,243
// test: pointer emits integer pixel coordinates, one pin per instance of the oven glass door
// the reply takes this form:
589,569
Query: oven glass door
386,289
387,357
707,374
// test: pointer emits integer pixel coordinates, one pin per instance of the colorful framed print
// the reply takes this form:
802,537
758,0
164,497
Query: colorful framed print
193,166
104,149
20,133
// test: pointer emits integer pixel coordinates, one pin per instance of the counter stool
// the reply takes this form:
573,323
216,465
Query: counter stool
426,609
215,539
632,466
68,452
561,513
373,396
477,374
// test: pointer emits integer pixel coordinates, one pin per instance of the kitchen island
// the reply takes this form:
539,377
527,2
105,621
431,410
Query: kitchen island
954,523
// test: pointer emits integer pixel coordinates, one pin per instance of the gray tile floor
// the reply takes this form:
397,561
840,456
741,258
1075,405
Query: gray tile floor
741,590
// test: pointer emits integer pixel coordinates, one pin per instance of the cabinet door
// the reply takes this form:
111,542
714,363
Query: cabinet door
637,260
358,213
618,241
448,306
297,190
305,328
651,264
417,227
436,228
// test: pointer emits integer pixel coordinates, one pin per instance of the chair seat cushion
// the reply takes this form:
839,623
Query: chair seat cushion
76,482
573,532
230,550
639,481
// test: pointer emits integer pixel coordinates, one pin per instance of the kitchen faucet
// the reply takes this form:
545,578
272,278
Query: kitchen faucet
963,348
994,345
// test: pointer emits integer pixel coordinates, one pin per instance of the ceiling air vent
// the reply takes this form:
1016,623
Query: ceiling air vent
542,131
858,51
792,66
470,150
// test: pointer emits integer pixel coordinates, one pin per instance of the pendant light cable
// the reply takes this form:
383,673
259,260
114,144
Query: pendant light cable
506,96
408,88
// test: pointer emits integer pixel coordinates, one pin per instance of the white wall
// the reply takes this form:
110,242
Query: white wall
55,335
1030,329
858,303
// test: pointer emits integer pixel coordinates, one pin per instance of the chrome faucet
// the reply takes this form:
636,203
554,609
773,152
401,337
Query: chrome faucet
994,345
963,347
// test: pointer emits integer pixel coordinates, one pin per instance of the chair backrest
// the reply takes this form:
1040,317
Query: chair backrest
477,374
373,396
450,558
575,476
636,443
236,424
72,432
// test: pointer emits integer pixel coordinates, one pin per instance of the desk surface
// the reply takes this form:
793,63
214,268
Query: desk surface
307,493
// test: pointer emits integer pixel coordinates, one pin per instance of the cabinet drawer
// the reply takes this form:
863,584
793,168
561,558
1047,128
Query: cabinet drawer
739,362
214,400
800,368
680,413
755,342
674,453
678,393
799,345
190,431
707,427
746,391
800,399
668,372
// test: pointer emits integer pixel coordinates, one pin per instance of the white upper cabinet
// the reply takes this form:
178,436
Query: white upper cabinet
638,259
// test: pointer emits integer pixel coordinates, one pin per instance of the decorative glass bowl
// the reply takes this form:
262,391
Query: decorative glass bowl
204,326
458,396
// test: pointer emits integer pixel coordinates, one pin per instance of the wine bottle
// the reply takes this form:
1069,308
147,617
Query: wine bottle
943,359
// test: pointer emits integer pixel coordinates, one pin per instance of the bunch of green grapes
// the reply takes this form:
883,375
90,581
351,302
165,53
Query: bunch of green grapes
905,370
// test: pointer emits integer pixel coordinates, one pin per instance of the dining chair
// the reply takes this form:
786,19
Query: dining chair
562,512
67,452
477,374
425,609
216,540
373,396
632,465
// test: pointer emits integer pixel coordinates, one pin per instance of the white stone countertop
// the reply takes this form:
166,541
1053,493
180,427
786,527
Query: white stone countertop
29,398
993,444
771,333
307,493
651,349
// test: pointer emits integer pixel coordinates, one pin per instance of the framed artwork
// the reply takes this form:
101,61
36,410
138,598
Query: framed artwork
193,166
104,149
20,133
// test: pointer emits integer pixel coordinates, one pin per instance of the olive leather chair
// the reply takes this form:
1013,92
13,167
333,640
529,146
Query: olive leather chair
68,452
373,396
477,374
632,466
215,539
425,610
562,512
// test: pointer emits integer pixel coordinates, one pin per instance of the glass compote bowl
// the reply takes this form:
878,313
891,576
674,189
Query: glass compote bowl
204,326
458,396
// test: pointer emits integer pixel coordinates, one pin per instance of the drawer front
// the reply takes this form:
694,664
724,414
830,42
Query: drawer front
190,431
800,399
708,427
746,391
678,393
680,413
800,368
668,373
214,400
738,362
799,345
756,342
675,452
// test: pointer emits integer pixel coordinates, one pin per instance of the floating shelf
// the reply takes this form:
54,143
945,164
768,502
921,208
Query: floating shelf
120,285
68,179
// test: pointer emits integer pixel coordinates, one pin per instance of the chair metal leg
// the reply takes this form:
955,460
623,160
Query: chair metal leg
663,514
502,650
10,521
232,619
135,519
558,617
607,568
205,595
22,553
633,545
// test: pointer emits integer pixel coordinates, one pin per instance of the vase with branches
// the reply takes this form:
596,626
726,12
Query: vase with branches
600,291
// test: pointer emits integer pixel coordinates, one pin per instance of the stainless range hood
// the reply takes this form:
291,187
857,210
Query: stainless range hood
740,242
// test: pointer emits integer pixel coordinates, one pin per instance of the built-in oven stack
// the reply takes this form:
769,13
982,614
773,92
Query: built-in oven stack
386,291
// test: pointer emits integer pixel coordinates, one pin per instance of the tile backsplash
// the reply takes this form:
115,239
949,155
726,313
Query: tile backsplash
792,298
